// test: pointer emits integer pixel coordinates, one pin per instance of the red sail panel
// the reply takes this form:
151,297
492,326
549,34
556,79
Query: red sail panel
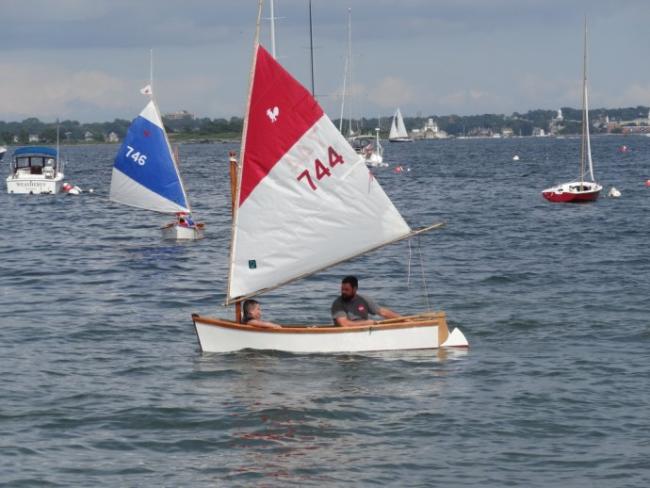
281,111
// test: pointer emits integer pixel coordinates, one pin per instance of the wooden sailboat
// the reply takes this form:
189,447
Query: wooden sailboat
582,190
398,131
145,174
303,201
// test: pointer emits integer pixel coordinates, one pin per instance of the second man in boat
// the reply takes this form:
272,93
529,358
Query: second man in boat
351,309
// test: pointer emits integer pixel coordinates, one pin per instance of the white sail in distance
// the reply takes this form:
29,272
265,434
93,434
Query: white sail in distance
397,128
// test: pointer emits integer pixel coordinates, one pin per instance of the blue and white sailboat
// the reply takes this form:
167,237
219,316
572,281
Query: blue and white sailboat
145,174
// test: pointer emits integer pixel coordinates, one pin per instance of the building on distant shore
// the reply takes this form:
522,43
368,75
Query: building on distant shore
556,124
481,132
33,138
429,131
89,136
180,115
112,137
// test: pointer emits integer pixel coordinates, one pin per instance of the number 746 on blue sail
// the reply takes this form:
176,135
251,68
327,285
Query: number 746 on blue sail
136,156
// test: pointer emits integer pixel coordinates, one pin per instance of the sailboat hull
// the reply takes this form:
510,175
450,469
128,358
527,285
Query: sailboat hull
34,184
427,331
182,233
574,192
400,139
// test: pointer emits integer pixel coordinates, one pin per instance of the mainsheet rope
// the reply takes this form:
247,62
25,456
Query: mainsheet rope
424,279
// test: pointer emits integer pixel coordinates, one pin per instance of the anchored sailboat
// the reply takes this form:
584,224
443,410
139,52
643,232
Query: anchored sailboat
398,131
303,201
582,190
366,145
146,175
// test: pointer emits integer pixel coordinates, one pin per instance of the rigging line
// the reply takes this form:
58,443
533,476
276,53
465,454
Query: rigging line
424,280
408,273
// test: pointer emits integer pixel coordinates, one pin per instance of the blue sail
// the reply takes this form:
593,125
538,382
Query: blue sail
144,173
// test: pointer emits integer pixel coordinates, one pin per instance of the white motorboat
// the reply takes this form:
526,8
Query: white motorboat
35,170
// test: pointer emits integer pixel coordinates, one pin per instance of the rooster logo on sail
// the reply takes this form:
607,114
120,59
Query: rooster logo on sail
273,113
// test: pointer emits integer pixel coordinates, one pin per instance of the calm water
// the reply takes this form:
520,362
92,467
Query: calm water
102,382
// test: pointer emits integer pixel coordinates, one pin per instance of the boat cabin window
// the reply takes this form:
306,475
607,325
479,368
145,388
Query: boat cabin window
34,164
27,161
360,143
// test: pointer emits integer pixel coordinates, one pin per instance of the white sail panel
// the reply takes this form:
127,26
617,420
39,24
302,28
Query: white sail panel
127,191
401,128
146,158
397,128
586,130
150,113
304,215
393,127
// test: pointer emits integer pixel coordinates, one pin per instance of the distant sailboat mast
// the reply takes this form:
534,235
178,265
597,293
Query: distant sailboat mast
272,5
586,142
311,52
345,79
151,71
349,70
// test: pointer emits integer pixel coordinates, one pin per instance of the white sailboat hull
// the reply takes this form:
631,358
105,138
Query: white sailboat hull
217,335
34,184
374,160
181,233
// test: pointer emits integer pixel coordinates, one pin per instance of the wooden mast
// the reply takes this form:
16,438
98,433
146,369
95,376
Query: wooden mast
235,169
233,196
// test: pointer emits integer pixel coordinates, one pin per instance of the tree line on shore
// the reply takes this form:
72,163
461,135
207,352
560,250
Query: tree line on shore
190,128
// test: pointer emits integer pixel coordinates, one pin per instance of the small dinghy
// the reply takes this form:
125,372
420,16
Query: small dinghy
303,201
145,174
613,192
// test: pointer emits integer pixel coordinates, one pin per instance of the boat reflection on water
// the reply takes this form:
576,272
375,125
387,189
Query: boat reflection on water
284,413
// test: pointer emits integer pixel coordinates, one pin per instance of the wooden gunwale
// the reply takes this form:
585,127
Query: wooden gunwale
437,319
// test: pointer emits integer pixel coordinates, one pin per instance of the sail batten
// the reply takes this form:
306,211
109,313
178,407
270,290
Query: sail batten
306,199
145,174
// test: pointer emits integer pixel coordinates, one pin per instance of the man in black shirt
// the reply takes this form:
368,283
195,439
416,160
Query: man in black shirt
353,309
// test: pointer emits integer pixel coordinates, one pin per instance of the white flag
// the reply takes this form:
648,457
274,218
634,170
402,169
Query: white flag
146,90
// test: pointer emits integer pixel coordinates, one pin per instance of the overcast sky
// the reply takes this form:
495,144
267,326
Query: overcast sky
87,59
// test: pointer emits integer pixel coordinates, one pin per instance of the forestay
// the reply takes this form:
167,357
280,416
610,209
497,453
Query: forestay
585,109
145,173
306,200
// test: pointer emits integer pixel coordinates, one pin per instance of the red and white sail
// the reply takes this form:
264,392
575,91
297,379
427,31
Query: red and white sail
305,200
